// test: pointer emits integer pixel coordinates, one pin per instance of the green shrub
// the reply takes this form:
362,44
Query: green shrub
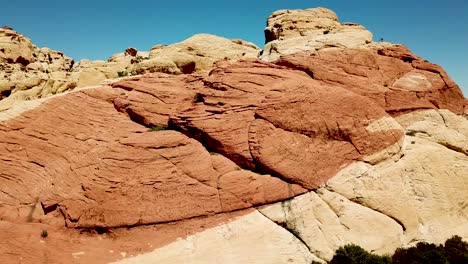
122,74
422,253
351,254
156,128
455,251
44,234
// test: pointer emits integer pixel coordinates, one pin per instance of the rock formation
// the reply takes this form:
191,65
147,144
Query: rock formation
28,72
249,162
392,77
292,31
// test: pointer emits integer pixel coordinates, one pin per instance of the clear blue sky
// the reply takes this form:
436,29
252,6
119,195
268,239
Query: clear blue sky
435,30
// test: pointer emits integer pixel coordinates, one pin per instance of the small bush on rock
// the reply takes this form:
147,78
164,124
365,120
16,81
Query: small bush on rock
122,74
455,251
44,234
351,254
156,128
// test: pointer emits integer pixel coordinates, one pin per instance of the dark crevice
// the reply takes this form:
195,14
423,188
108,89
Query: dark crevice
136,117
452,147
208,142
290,65
49,209
393,218
407,59
357,201
290,230
213,145
5,93
108,229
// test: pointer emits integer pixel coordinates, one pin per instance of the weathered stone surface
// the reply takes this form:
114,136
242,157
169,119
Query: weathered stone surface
195,54
292,31
245,108
261,241
119,174
326,220
28,72
393,77
424,190
253,162
440,126
14,47
24,244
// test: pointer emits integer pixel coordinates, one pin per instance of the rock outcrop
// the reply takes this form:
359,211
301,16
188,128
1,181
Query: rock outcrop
195,54
292,31
393,77
249,162
28,72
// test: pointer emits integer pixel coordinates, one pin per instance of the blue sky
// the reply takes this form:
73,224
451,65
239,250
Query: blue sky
435,30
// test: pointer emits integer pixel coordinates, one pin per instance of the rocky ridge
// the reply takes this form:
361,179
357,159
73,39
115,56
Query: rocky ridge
253,161
28,72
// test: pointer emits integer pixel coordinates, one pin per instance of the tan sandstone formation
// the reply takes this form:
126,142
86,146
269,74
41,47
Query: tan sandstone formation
195,54
292,31
252,162
28,72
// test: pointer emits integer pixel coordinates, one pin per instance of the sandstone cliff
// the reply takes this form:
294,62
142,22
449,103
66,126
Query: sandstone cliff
249,162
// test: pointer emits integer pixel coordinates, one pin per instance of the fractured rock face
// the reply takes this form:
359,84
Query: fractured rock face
292,31
325,220
238,110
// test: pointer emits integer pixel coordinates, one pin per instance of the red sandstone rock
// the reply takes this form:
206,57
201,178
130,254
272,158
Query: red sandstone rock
393,77
261,116
86,160
100,169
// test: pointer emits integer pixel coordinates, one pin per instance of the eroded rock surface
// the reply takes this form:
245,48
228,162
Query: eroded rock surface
393,77
292,31
28,72
251,162
100,169
239,110
195,54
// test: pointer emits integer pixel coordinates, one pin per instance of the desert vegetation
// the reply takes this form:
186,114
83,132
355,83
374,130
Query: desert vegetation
454,251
